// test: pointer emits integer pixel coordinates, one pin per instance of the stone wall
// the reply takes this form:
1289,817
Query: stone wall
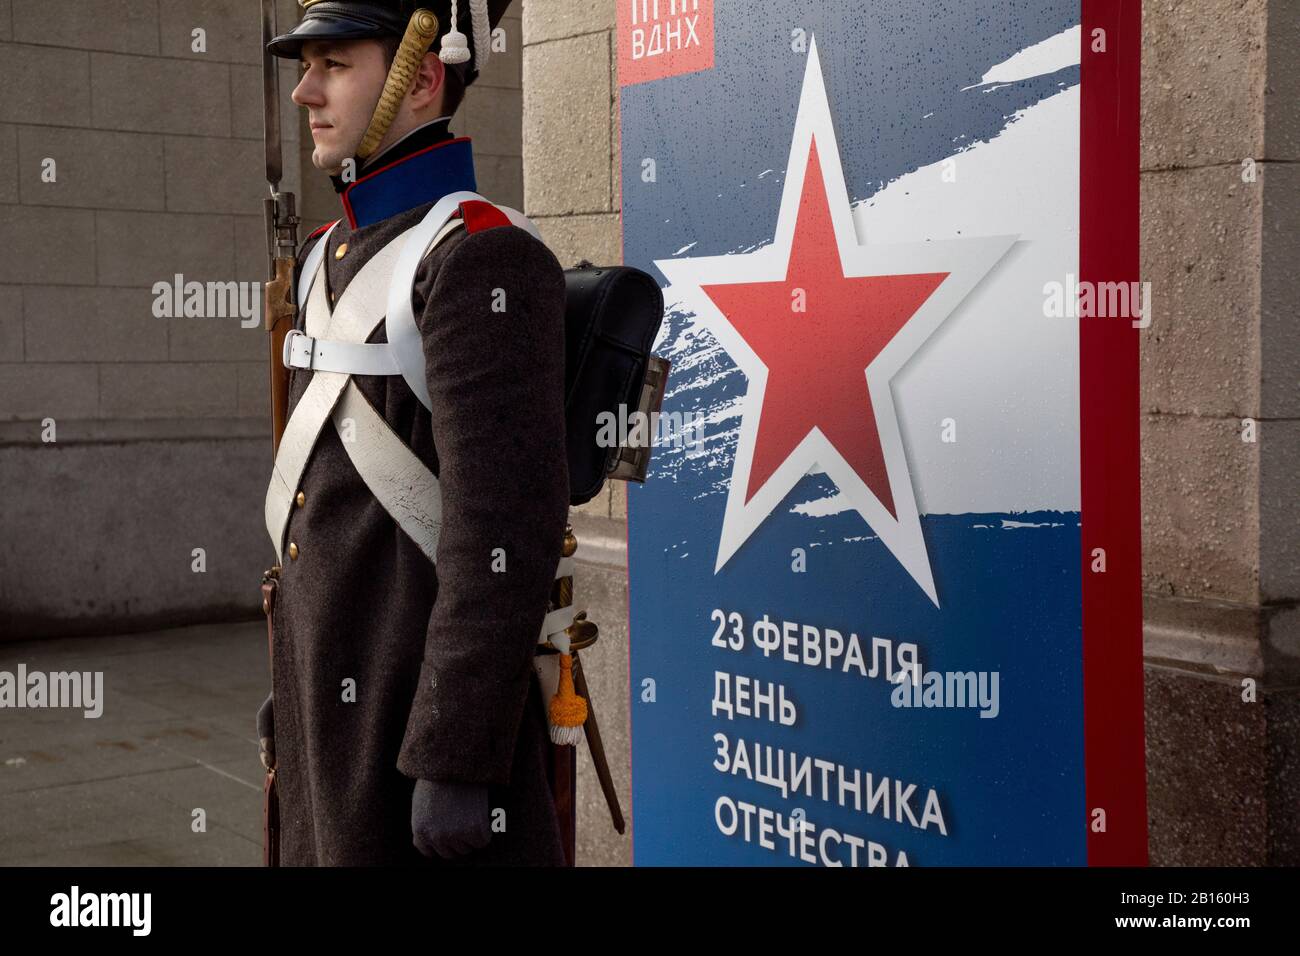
1221,564
159,424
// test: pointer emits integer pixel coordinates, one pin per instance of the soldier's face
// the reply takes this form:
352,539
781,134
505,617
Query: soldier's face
340,85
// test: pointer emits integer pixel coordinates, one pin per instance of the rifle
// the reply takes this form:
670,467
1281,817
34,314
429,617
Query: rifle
282,247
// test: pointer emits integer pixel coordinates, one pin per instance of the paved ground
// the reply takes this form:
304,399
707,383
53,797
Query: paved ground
177,735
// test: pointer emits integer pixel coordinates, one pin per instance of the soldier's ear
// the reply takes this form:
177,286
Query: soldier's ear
426,89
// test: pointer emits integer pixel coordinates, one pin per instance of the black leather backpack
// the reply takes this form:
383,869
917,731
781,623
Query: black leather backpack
612,315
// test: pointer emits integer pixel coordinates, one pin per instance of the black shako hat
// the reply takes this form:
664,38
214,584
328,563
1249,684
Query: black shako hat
462,43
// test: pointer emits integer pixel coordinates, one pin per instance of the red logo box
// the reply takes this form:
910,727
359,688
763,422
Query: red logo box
661,38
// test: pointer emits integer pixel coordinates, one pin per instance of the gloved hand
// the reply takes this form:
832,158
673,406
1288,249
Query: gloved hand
266,732
449,818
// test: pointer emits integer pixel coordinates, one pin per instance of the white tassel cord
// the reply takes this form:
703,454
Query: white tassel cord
478,11
455,45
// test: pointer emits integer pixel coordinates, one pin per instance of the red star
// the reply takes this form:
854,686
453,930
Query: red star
816,360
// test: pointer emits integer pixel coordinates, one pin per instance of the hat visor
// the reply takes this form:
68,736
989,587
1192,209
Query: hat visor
321,28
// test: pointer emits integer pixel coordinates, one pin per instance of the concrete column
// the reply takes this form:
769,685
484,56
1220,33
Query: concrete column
571,184
1220,365
571,190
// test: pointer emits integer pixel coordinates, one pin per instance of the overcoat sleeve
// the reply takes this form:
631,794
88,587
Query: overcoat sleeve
493,338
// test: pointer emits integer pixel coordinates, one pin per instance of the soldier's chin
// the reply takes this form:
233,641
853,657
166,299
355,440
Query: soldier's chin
330,158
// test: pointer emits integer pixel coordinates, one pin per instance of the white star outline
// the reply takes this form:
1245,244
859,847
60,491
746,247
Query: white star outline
966,261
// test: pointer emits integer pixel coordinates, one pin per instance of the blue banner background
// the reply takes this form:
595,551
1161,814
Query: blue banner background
1011,787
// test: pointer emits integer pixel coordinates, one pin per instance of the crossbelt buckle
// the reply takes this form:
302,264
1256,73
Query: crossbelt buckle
299,347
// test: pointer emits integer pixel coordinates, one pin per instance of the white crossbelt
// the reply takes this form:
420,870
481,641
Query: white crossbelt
355,316
365,358
334,348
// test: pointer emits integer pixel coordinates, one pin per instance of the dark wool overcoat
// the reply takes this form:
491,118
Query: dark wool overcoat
441,656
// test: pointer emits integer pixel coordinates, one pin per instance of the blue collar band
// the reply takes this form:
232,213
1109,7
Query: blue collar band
422,177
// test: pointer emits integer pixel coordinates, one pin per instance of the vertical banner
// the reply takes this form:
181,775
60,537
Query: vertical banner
885,570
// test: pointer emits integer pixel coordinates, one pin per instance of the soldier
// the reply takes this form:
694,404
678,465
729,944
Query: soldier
418,510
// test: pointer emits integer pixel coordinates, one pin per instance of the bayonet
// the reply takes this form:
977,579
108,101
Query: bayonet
271,106
281,235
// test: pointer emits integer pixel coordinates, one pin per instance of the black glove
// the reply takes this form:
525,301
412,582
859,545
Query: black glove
448,818
266,732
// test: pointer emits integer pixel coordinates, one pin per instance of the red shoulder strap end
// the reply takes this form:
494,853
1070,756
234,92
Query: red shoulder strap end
480,215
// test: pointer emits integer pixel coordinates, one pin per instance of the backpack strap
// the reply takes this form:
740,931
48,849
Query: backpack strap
476,214
399,323
517,218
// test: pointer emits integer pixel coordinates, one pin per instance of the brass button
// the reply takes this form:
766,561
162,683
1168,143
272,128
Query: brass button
341,251
293,551
301,499
331,296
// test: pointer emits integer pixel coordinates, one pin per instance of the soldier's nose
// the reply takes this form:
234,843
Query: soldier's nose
305,93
